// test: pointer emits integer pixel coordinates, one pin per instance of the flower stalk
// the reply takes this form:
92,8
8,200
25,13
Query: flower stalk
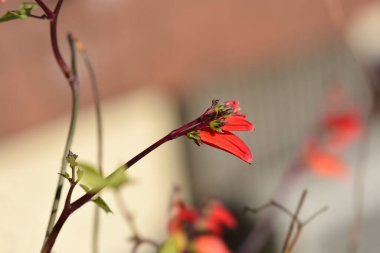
216,111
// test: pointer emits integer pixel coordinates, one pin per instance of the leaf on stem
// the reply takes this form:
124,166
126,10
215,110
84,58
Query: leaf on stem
23,12
91,177
65,175
117,178
98,201
102,204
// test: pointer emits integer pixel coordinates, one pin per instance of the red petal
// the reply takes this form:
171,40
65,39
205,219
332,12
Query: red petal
234,105
183,216
228,142
325,164
221,214
217,217
237,123
210,244
343,128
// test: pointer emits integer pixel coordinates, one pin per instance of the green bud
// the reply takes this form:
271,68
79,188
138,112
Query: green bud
71,159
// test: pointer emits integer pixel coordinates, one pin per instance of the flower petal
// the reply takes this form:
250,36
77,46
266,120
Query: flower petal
234,105
228,142
237,123
324,163
216,218
343,128
209,244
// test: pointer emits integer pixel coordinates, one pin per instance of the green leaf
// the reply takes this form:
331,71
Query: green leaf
117,178
170,246
65,175
90,177
23,12
98,200
102,204
79,174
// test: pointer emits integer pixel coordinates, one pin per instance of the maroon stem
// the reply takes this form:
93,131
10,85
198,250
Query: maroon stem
67,211
54,42
70,208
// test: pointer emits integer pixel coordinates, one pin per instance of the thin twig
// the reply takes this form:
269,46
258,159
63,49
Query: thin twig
300,227
271,203
294,221
312,217
290,241
128,217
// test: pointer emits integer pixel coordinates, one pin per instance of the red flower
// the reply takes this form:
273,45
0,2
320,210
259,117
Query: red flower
216,217
182,216
342,128
198,231
218,122
209,244
323,153
324,163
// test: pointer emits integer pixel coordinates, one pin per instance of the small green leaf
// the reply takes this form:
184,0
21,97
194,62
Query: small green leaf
65,175
102,204
98,201
117,178
85,188
79,174
23,12
90,177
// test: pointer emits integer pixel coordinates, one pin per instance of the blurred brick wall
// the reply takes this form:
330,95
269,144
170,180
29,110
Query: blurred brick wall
149,42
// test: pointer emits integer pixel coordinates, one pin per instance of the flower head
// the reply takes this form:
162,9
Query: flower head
214,128
192,230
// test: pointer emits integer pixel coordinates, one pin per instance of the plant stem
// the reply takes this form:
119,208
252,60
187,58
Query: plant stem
294,222
191,126
68,210
99,136
74,85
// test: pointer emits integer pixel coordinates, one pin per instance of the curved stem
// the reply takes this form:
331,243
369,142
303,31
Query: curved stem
69,140
99,135
89,195
74,85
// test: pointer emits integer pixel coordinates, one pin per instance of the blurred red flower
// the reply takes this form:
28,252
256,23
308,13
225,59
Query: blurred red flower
323,152
209,244
198,231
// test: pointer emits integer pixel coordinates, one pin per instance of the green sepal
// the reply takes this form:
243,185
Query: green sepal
23,12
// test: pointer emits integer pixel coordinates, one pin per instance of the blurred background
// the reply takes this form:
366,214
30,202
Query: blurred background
159,64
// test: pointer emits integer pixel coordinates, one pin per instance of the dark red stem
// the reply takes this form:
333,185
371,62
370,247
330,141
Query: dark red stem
70,208
67,211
